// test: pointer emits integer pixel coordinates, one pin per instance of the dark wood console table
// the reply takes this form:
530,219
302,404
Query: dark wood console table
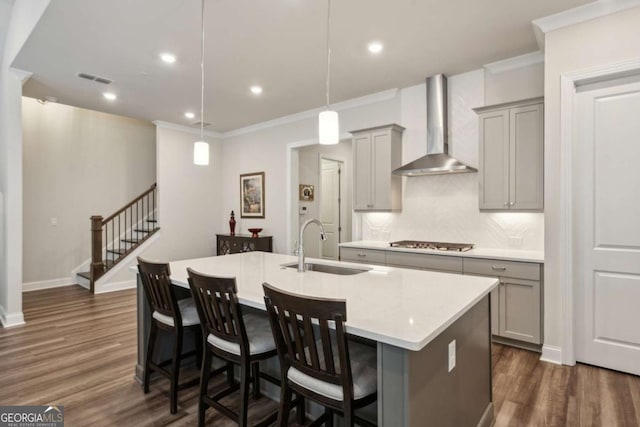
228,244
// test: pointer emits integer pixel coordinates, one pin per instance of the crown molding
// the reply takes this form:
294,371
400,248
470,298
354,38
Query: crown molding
186,129
304,115
516,62
577,15
23,75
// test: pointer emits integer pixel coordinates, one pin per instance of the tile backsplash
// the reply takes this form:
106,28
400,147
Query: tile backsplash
445,208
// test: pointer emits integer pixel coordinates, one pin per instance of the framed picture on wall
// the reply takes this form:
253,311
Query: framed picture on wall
252,195
306,193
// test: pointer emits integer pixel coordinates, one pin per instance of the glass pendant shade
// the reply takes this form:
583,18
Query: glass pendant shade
201,153
328,128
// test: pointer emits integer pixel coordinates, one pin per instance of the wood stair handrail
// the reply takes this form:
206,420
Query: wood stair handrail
128,205
137,217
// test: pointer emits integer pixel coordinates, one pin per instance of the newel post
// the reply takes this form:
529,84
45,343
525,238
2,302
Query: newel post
97,264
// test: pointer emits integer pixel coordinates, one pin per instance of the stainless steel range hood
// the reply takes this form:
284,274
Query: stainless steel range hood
437,161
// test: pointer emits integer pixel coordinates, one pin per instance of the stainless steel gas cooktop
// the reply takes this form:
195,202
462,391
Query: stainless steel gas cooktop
438,246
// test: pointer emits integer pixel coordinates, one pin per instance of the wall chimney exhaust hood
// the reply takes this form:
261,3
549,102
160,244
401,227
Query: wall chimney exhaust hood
437,161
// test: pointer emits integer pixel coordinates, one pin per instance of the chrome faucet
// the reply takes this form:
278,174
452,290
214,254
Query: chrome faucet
301,240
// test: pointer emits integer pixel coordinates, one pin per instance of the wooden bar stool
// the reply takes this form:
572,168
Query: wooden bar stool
317,362
172,315
243,339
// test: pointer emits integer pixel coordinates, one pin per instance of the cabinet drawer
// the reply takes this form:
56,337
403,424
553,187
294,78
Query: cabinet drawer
369,256
488,267
430,262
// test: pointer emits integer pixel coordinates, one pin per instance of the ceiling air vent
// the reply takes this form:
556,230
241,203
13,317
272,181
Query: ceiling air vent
97,79
205,124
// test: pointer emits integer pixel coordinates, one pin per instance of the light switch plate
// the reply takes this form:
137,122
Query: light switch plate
452,355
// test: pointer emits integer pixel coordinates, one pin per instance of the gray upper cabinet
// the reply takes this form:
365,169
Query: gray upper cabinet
512,156
376,153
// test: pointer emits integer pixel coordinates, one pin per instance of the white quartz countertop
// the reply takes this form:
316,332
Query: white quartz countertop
401,307
500,254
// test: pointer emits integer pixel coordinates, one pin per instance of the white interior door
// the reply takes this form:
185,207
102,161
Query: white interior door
330,207
606,187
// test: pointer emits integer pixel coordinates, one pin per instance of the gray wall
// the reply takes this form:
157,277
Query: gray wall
77,163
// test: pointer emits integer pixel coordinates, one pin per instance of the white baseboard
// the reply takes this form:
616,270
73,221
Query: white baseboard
551,354
47,284
11,319
115,286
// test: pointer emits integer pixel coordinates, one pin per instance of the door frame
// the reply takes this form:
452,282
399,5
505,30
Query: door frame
568,89
341,185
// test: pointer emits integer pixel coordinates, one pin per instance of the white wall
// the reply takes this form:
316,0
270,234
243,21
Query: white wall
596,42
265,150
77,163
24,16
445,207
189,197
513,85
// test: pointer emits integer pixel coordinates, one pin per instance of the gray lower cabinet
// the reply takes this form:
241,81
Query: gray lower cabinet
367,256
449,264
516,304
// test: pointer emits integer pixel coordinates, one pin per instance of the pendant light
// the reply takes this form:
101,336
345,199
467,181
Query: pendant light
328,123
201,148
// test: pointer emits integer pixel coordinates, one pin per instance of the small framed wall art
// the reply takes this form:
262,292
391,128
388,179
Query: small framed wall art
252,195
306,193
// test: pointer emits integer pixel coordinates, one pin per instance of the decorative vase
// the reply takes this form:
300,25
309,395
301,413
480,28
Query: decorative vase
232,224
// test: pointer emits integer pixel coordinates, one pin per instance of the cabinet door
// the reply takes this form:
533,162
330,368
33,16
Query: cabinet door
494,160
381,191
362,179
520,310
526,150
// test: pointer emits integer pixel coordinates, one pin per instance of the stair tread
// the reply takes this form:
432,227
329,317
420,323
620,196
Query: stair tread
134,241
85,274
145,230
117,251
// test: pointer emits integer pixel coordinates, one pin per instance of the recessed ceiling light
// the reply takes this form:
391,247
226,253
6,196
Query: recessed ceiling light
189,115
110,96
256,90
375,47
168,58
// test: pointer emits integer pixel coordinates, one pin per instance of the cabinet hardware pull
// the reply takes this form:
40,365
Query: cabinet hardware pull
362,255
496,268
512,203
506,203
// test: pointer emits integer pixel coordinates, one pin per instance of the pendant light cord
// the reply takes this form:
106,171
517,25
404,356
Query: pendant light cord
328,50
202,78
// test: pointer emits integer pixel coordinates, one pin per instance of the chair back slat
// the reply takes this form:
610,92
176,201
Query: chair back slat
293,318
217,303
156,281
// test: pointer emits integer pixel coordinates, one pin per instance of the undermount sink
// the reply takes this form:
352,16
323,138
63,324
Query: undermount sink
327,268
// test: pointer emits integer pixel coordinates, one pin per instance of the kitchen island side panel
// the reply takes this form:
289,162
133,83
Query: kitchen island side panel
417,388
461,397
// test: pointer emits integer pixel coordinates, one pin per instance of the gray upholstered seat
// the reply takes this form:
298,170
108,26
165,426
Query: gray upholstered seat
259,334
363,370
187,310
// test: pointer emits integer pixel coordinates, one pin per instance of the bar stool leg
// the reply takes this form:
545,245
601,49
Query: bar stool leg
285,405
204,385
244,393
151,343
301,416
255,367
175,371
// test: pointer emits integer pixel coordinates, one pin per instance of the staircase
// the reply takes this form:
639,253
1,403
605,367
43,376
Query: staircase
115,237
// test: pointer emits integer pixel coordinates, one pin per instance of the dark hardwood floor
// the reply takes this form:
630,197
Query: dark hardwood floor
79,350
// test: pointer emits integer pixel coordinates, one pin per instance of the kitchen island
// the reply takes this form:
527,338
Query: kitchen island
413,317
